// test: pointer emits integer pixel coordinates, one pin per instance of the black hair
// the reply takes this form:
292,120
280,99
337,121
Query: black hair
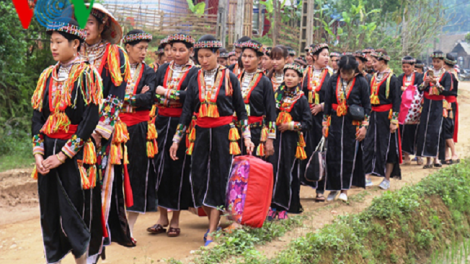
362,58
318,52
135,42
347,63
408,58
451,58
258,54
100,22
206,38
69,37
243,39
279,51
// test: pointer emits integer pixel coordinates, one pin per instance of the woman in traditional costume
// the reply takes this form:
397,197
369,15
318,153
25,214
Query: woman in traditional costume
451,120
110,135
215,95
137,114
293,120
344,135
382,148
258,95
419,66
223,57
334,60
408,131
66,111
232,58
266,62
314,87
279,57
362,60
167,50
173,187
437,82
369,67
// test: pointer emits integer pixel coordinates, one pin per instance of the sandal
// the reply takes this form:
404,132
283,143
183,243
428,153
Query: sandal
173,232
448,162
156,229
320,198
427,166
437,165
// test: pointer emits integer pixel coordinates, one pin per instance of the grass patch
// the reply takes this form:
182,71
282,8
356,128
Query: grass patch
406,226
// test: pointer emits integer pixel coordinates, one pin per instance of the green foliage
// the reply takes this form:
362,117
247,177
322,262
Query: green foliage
198,8
415,220
467,37
24,54
242,242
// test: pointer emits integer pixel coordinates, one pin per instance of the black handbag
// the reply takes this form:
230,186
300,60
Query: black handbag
356,112
315,170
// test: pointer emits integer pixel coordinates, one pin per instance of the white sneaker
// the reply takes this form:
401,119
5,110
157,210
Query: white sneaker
385,185
343,197
332,196
369,183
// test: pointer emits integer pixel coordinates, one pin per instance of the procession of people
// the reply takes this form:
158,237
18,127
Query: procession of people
114,138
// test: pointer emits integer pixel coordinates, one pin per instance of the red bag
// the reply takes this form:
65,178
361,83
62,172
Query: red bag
250,190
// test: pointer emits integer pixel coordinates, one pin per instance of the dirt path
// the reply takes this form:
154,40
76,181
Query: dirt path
20,231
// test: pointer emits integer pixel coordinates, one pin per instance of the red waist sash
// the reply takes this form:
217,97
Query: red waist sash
251,119
382,108
335,107
210,122
451,99
434,97
131,119
61,134
170,112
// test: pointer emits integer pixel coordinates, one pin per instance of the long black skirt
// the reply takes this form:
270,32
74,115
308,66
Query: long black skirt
286,167
70,216
344,167
173,188
408,138
211,163
430,129
141,170
312,138
381,146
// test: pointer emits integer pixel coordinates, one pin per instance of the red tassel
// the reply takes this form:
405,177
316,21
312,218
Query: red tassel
260,150
103,225
128,188
234,148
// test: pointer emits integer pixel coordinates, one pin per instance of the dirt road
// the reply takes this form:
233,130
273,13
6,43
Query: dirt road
20,231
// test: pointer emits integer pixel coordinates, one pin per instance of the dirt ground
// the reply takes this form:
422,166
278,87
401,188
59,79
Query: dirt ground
20,231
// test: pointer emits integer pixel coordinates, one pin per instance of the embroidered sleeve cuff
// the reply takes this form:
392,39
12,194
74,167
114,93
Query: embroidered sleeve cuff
104,130
326,121
132,100
245,127
394,118
365,123
73,146
421,86
295,126
38,144
173,94
272,130
439,87
180,132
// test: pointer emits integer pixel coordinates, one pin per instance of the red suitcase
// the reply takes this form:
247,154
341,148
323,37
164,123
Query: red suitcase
249,190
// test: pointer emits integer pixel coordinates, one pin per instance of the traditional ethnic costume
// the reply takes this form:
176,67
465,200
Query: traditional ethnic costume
451,119
260,105
66,110
289,146
314,87
430,126
381,146
408,131
344,164
215,95
174,191
137,113
112,64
